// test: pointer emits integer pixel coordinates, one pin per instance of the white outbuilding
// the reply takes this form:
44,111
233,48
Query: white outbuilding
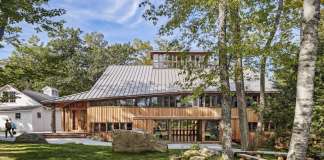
25,109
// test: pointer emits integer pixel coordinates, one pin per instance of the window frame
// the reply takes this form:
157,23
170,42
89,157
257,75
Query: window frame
17,115
39,115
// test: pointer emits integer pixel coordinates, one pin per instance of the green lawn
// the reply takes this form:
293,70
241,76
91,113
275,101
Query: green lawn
13,151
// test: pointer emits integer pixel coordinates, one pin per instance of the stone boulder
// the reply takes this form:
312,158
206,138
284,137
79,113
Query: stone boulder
191,153
201,154
135,141
30,138
208,152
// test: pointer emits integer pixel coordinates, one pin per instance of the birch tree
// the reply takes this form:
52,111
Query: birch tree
225,86
305,80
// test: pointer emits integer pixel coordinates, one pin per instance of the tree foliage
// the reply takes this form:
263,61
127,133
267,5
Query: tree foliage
69,61
33,12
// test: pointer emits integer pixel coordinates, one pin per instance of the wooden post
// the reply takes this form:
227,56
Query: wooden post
53,119
169,130
63,119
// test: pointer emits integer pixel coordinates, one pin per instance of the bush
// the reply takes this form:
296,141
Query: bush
195,146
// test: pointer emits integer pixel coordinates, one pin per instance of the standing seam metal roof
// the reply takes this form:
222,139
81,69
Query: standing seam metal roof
135,80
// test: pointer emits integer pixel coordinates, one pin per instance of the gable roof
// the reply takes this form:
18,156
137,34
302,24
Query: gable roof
37,96
141,80
25,103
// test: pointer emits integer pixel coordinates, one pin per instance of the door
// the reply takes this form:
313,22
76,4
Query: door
79,120
83,120
178,130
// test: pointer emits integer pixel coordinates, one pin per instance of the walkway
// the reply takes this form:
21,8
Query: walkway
85,141
9,139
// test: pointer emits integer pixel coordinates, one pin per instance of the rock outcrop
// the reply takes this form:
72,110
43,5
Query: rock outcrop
135,141
30,138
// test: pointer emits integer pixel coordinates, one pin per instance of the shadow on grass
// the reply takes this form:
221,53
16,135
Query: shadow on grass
14,151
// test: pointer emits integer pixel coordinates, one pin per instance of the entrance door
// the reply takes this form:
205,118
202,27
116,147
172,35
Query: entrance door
178,130
185,130
83,120
79,120
212,130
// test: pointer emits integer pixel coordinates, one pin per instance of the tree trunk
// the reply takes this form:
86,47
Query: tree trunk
240,94
305,81
258,134
1,33
263,64
239,81
3,24
224,79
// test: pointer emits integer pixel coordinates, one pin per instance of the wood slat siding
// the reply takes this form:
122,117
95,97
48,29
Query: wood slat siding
128,114
143,118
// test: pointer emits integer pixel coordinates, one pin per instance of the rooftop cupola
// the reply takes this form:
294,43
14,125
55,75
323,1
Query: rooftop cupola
50,91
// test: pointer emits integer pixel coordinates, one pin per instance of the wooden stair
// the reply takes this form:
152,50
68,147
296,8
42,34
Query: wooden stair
65,135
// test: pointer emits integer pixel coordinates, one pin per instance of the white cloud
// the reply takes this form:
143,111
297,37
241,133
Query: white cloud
113,11
131,12
118,20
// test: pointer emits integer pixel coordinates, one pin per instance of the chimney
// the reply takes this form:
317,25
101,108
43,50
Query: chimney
50,91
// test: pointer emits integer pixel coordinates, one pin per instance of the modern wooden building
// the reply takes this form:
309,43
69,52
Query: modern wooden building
149,98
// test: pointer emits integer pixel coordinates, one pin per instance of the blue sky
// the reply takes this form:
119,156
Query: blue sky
119,20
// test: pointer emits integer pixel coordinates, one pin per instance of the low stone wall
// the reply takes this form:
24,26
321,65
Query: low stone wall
136,141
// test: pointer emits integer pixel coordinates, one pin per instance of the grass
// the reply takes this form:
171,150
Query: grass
14,151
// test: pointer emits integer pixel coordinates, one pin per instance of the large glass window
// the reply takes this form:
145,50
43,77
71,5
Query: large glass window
116,126
172,101
142,102
234,101
178,101
166,101
109,126
201,101
207,101
214,100
122,126
154,101
160,129
212,130
129,126
96,127
186,101
252,126
103,127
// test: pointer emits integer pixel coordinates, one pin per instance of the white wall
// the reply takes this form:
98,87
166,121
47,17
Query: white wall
24,123
43,124
29,122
